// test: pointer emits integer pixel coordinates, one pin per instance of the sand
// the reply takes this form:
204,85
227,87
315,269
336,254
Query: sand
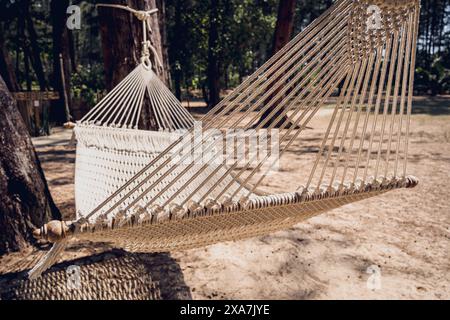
395,246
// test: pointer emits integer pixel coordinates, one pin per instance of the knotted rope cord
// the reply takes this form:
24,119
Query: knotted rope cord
123,105
284,124
329,88
318,89
404,86
161,178
347,162
244,182
218,107
398,75
144,16
186,170
251,108
411,82
358,116
319,94
273,63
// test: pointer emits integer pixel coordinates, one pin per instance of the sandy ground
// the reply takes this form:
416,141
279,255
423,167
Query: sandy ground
395,246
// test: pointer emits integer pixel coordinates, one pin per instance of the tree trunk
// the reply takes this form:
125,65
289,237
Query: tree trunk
25,50
25,201
73,63
6,66
61,46
7,72
161,5
213,55
121,35
285,24
35,50
283,33
177,71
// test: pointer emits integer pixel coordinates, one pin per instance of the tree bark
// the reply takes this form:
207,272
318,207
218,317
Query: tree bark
283,33
7,72
25,201
73,62
213,55
25,49
6,66
35,54
177,71
161,5
61,46
285,24
121,35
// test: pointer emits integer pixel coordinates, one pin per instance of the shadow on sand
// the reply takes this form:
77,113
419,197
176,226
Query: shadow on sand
435,106
115,274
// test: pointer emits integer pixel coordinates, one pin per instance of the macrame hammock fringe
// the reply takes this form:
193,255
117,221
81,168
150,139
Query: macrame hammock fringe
131,193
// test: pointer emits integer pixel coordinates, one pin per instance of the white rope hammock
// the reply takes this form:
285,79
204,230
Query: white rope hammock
130,192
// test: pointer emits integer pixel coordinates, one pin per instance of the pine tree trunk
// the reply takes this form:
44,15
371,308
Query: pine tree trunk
161,5
285,24
177,72
6,66
7,72
35,50
61,46
25,201
213,55
121,34
283,33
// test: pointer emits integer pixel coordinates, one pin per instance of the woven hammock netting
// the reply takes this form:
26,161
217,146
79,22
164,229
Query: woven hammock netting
359,54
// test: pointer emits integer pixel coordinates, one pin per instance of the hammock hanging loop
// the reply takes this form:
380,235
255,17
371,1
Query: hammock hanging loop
146,62
144,16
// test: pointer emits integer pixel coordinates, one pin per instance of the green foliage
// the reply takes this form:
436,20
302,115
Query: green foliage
87,82
435,79
246,30
245,36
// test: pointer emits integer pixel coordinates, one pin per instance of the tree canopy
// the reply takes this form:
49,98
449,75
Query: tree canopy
237,34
